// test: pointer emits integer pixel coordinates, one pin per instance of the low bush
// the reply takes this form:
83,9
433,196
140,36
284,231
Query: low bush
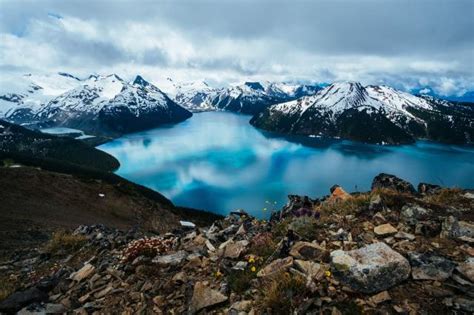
65,242
304,226
281,293
240,280
263,245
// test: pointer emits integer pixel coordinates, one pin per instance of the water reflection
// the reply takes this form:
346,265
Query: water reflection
217,161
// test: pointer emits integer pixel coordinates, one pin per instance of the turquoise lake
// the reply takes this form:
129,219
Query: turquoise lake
218,162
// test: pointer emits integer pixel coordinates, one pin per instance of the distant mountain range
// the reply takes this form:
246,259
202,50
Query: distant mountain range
110,106
246,98
374,114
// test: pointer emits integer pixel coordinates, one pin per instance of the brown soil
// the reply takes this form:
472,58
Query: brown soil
35,202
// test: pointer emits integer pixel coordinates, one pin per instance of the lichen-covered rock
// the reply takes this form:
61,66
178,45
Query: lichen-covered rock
452,228
430,267
370,269
392,182
414,213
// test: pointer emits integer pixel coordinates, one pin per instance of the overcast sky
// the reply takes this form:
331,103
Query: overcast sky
404,43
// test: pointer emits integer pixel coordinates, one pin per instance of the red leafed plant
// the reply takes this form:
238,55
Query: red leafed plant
148,247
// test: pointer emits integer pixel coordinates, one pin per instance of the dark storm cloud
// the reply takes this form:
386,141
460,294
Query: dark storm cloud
372,40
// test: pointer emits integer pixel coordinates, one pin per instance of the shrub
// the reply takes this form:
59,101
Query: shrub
304,226
7,287
346,206
63,241
281,293
240,280
148,247
263,245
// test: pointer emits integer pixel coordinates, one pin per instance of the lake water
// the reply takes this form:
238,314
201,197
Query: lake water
217,161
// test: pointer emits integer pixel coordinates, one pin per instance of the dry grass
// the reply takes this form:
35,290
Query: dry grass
65,242
350,205
450,197
281,293
240,280
7,286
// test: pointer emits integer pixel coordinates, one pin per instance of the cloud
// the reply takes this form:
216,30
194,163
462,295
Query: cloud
402,43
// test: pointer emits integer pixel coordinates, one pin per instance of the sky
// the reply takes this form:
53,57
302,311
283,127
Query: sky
403,43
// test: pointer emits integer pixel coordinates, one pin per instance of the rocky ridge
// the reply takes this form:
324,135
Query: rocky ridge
395,249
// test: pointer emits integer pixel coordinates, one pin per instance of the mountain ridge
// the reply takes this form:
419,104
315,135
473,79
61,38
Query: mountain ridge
350,110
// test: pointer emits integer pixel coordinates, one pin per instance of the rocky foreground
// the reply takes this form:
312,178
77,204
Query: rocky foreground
391,250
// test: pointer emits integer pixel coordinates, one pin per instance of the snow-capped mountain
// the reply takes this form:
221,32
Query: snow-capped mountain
377,114
248,98
109,105
21,96
196,96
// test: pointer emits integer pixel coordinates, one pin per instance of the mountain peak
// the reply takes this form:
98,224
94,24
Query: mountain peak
67,75
254,85
140,81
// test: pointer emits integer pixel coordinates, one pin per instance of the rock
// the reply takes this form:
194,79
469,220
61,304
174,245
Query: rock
392,182
180,277
463,304
276,266
337,194
171,259
242,306
405,236
307,251
235,249
310,269
428,189
467,269
20,299
51,308
83,273
385,230
430,267
103,292
376,203
370,269
414,213
203,297
453,228
380,297
209,246
241,265
187,224
428,228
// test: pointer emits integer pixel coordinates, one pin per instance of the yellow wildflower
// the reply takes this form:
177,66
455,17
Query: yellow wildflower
218,274
327,273
253,269
251,259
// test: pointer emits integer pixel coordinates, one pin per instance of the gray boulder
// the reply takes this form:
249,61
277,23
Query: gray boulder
430,267
370,269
